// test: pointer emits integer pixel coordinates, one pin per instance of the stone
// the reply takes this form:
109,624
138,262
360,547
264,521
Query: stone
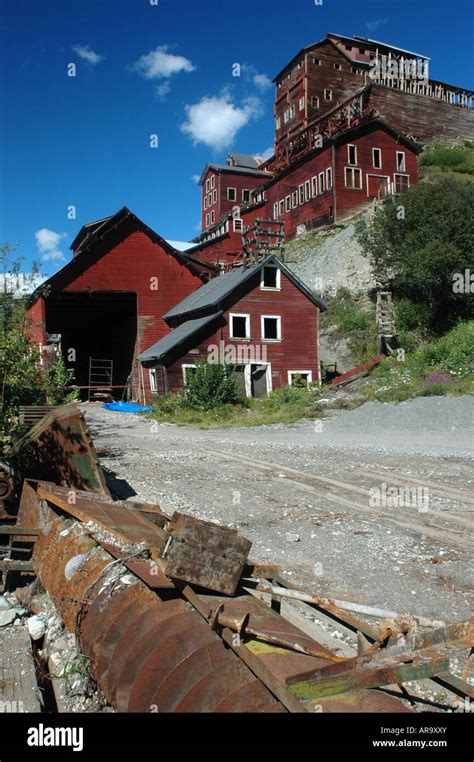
36,627
7,616
292,537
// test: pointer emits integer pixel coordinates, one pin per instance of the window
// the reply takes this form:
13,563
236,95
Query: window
278,122
209,199
213,216
287,203
214,196
348,47
237,225
337,66
314,186
353,178
231,194
207,185
307,190
292,112
401,161
271,327
281,207
355,70
286,115
275,211
245,196
377,158
362,51
153,383
300,377
351,154
213,180
321,182
239,326
402,183
301,104
301,193
207,220
314,101
327,95
205,202
329,178
270,278
317,61
294,199
188,371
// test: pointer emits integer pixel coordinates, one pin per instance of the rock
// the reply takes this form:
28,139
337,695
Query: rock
36,627
7,616
4,604
292,537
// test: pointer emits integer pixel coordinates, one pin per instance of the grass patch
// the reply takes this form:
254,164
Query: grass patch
448,157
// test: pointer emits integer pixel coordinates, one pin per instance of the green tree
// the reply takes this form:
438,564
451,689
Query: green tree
211,385
418,241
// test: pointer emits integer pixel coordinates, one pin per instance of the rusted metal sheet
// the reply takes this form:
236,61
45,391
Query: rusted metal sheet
200,550
59,448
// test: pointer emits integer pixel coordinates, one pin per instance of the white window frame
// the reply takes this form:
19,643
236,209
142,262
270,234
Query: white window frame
314,186
237,225
205,202
208,182
301,104
353,170
294,199
307,190
313,99
281,207
317,61
245,190
232,315
213,217
292,111
309,373
301,194
278,123
327,94
263,287
214,196
337,66
207,220
213,181
351,163
235,194
322,183
402,170
184,366
262,328
379,150
329,178
248,379
153,380
275,210
399,174
287,203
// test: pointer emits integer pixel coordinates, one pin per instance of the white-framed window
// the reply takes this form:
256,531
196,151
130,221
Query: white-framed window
351,154
401,164
207,220
329,178
322,186
301,193
377,158
286,115
402,183
314,101
307,190
188,370
237,225
301,104
239,326
353,178
317,61
300,377
275,210
270,327
270,278
245,196
327,94
213,180
314,186
337,66
281,207
205,202
294,199
153,381
278,123
292,112
209,199
214,196
287,203
208,185
231,194
213,217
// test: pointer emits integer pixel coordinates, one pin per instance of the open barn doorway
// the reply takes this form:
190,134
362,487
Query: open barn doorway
96,324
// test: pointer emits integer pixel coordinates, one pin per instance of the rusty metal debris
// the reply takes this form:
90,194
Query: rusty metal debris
168,608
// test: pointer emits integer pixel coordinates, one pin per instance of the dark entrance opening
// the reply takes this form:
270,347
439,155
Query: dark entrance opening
97,324
258,380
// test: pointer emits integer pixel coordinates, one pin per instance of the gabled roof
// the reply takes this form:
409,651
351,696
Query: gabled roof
212,294
244,160
231,170
179,336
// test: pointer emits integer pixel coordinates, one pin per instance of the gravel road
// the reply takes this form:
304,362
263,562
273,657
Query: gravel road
309,510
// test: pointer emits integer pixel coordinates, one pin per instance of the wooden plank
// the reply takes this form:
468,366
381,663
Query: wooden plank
18,687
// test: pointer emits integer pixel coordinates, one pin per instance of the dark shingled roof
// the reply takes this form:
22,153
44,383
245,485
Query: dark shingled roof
176,337
213,293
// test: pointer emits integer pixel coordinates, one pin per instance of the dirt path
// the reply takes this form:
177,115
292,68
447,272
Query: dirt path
280,483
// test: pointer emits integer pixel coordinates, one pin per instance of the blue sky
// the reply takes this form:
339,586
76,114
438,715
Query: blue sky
165,69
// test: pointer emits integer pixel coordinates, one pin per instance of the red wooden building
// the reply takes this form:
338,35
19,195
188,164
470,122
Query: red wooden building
261,319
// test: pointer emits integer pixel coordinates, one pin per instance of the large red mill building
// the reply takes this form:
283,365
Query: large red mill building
349,120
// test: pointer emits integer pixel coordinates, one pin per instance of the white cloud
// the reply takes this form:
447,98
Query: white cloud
267,154
163,90
196,178
48,242
262,81
89,55
373,25
158,64
215,121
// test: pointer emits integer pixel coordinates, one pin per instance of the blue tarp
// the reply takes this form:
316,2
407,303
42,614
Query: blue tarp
126,407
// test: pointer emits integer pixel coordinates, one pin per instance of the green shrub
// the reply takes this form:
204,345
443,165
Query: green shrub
211,385
457,158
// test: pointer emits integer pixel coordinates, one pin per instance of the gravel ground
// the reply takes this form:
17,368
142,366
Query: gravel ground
328,547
